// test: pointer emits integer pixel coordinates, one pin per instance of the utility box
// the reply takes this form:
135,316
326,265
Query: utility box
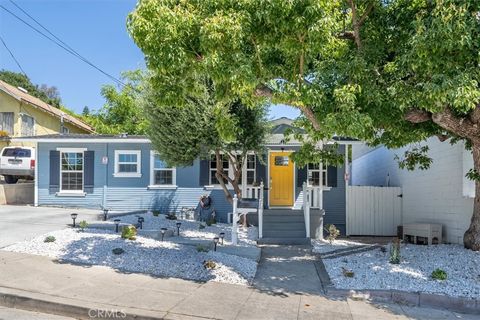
429,231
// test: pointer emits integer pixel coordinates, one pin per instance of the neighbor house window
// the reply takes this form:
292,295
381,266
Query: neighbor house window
71,171
128,163
6,122
161,174
317,175
28,125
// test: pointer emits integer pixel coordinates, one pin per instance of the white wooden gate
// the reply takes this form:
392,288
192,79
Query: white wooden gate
373,211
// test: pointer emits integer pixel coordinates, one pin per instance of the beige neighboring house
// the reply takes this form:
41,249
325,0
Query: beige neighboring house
24,115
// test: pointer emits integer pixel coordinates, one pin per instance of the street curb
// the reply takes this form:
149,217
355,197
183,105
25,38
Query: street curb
13,298
415,299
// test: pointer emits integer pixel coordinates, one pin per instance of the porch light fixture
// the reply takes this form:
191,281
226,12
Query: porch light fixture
215,242
140,221
163,230
105,214
74,216
222,235
178,224
117,222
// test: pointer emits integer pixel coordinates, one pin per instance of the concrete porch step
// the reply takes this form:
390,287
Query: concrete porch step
284,225
283,218
284,233
284,241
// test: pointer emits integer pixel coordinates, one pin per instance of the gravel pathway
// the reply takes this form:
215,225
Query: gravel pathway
144,255
372,270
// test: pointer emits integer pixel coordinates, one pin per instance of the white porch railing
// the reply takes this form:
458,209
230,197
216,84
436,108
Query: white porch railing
312,199
251,192
315,196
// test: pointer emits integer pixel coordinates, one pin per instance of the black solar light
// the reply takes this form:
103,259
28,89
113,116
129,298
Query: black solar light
178,228
74,216
117,221
215,242
140,221
222,235
163,230
105,214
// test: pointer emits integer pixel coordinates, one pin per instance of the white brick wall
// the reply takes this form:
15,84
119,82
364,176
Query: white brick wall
434,195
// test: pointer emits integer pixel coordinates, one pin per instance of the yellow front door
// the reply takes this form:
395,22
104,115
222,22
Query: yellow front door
281,179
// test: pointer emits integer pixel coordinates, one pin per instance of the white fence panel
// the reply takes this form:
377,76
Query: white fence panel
373,211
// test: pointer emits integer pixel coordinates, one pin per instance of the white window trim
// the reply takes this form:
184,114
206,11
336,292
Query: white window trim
73,193
321,169
137,174
217,185
152,175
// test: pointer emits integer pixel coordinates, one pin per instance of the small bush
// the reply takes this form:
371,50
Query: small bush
129,232
156,213
209,264
333,233
118,251
171,216
201,248
83,224
348,273
4,133
211,221
201,226
395,252
439,274
49,239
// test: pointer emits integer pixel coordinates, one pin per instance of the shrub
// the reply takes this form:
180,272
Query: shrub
395,251
83,224
4,133
49,239
118,251
171,216
201,226
333,233
347,273
209,264
129,232
211,221
201,248
439,274
156,213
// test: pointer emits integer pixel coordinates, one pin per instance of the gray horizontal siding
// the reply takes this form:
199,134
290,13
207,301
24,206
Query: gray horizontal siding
92,200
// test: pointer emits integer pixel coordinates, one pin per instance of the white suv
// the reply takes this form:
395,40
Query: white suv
17,163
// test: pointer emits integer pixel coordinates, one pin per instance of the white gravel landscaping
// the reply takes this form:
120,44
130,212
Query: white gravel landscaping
143,255
189,229
372,270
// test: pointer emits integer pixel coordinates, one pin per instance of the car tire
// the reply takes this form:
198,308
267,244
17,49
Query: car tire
10,179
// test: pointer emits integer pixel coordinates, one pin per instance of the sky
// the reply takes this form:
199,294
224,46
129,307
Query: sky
94,28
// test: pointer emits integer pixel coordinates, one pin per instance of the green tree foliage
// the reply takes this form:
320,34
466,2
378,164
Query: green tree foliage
122,111
388,72
201,127
44,92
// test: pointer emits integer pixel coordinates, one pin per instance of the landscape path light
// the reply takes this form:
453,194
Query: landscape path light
105,214
222,235
163,230
74,216
117,221
140,221
178,228
215,242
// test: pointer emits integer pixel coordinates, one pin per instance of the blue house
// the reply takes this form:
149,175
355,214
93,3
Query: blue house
123,173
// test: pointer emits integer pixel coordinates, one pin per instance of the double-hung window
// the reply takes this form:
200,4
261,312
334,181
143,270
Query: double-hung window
161,174
128,163
251,166
28,125
317,174
71,171
213,168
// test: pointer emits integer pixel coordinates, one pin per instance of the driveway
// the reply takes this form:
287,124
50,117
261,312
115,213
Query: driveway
19,223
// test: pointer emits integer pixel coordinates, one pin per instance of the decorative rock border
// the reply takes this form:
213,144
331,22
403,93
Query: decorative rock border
419,299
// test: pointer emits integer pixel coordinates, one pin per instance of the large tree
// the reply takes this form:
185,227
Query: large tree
387,72
201,126
44,92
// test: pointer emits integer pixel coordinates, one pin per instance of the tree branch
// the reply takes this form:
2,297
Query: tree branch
263,91
462,127
365,14
417,116
475,115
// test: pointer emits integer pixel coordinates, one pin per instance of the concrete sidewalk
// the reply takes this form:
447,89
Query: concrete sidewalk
40,284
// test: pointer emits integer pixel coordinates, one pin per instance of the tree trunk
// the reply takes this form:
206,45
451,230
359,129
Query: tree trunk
471,238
